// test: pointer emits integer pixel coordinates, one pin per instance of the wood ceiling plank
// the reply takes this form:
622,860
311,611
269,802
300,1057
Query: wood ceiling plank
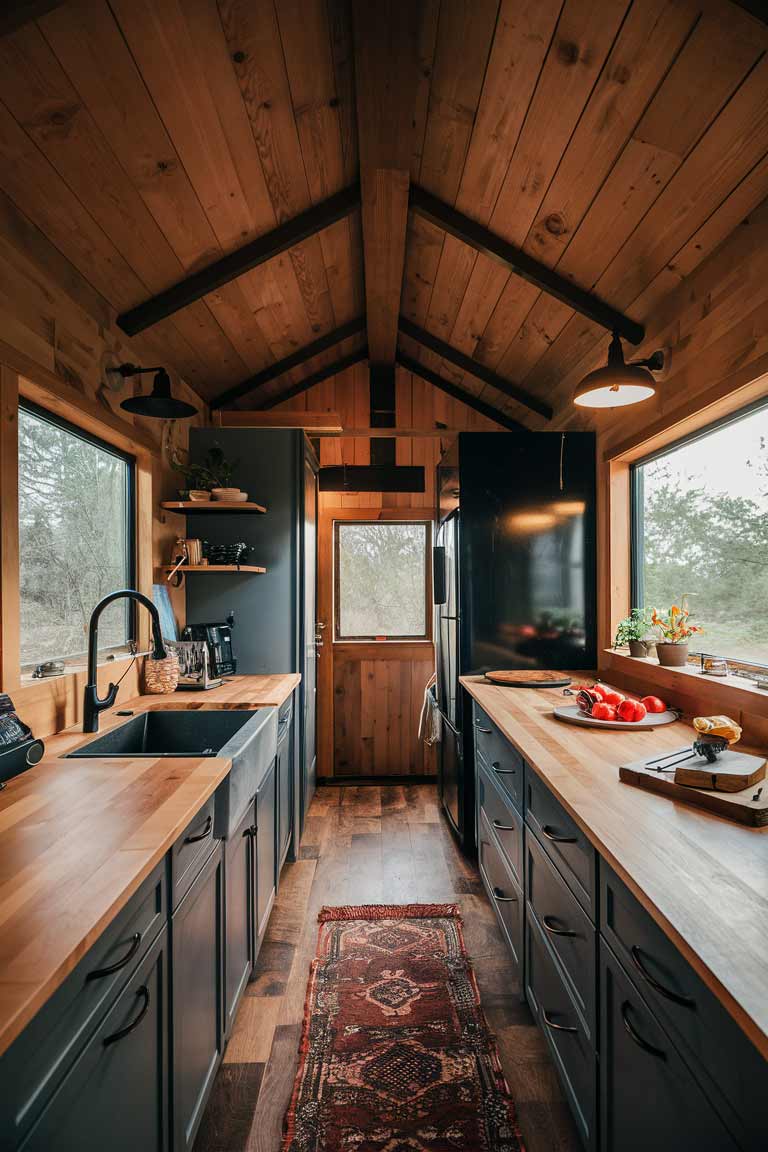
575,56
713,61
386,66
464,37
343,57
254,45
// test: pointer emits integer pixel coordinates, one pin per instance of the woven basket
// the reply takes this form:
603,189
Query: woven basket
161,676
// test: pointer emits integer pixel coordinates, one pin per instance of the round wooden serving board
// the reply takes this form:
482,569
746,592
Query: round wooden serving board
571,715
529,678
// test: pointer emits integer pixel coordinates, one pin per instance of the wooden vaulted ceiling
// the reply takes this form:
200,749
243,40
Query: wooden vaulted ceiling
617,142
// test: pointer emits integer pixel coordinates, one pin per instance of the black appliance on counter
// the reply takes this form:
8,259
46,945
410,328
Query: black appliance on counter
19,750
218,637
514,577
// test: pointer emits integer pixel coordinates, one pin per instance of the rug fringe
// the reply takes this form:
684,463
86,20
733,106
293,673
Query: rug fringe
388,912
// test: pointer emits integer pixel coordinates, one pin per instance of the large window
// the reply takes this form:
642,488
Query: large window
75,538
381,589
700,528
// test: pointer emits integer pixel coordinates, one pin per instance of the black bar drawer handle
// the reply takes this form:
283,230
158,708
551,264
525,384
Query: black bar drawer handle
556,1027
503,827
499,896
99,973
556,838
142,993
485,731
676,997
250,831
635,1035
549,927
200,835
502,771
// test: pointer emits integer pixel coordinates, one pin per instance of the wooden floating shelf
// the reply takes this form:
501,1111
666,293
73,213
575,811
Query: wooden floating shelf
199,507
215,568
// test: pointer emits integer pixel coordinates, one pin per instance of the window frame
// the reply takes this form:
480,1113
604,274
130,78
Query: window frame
130,645
426,636
636,502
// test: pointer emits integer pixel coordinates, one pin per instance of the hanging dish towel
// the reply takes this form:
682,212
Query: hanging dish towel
429,721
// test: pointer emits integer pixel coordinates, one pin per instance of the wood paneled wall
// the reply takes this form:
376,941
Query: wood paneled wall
56,335
370,695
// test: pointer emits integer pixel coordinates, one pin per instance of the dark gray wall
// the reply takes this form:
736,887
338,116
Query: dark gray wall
266,617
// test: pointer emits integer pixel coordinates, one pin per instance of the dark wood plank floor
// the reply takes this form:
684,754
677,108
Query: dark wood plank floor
364,846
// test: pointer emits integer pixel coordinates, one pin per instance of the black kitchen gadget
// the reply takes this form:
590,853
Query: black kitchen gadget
218,637
19,750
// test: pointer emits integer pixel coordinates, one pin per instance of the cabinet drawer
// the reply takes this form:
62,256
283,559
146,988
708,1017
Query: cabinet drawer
38,1060
648,1097
503,817
569,931
284,716
116,1095
501,757
562,840
503,891
723,1059
190,852
569,1041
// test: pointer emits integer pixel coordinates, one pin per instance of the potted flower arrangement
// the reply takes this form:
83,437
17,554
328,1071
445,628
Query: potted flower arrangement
674,631
212,478
633,631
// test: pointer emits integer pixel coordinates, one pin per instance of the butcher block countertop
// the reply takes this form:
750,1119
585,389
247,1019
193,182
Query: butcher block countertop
702,878
78,837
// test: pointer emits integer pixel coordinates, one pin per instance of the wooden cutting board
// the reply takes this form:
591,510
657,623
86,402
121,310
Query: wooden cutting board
747,806
529,678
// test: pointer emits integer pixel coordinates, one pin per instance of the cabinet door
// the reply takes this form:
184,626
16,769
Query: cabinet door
648,1097
116,1095
285,797
238,914
266,855
197,998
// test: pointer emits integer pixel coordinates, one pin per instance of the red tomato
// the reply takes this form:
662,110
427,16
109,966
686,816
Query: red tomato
631,711
603,711
654,704
610,695
598,690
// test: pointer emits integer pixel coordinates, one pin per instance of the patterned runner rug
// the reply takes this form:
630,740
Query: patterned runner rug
395,1054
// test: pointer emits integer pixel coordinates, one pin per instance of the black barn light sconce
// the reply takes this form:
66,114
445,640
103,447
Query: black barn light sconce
160,404
618,383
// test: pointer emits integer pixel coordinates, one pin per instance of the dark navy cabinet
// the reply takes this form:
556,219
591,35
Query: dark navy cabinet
197,997
239,913
265,880
116,1094
285,783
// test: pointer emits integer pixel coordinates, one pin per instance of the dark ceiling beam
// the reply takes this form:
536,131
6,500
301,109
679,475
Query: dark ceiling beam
243,260
474,367
315,378
280,367
756,8
443,216
467,398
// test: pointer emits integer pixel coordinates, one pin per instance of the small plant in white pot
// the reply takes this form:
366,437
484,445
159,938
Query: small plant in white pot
673,629
633,632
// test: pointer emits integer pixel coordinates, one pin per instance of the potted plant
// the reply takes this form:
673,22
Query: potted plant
213,476
632,631
673,629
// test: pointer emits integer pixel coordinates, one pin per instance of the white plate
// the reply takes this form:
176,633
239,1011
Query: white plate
571,714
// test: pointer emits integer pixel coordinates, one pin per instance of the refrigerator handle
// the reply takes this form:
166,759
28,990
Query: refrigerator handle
439,589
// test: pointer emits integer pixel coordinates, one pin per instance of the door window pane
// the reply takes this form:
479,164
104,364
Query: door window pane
75,538
701,531
381,580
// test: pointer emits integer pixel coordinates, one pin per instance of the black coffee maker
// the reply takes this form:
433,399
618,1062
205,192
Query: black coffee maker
218,637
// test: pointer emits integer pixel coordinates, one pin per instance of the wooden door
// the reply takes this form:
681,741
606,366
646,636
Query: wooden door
370,694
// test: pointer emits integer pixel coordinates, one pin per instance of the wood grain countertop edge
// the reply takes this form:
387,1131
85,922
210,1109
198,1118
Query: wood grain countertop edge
719,968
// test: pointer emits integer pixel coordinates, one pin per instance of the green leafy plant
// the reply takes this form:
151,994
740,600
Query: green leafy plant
214,472
673,626
634,627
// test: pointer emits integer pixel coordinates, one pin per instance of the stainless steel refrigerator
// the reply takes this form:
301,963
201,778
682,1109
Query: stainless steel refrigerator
514,577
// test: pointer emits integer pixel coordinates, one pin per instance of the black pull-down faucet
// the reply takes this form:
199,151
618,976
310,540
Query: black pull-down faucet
92,704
